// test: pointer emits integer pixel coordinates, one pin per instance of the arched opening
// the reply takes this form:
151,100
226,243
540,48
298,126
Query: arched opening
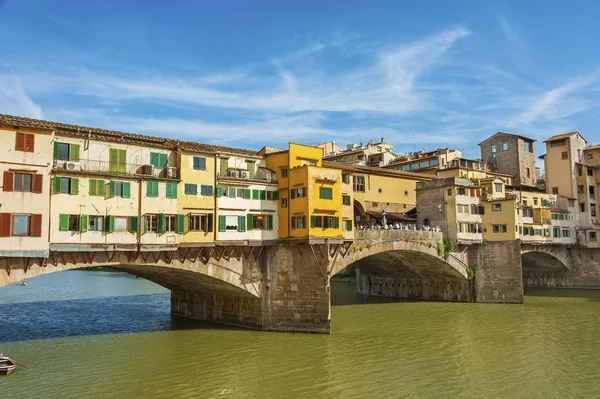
360,216
541,269
410,274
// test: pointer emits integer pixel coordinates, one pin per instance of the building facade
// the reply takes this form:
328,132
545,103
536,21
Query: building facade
512,155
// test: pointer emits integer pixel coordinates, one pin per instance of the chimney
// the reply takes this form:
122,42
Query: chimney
382,142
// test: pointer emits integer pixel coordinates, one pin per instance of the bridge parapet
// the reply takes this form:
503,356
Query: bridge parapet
398,235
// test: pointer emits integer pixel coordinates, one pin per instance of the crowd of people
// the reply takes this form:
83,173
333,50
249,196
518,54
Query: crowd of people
395,226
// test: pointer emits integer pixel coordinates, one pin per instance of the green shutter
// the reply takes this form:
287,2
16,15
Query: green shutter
122,159
326,222
196,163
74,152
152,189
74,186
100,187
269,222
113,159
222,223
246,193
250,221
109,224
336,222
179,225
293,222
163,160
201,163
134,224
154,159
56,150
126,190
263,195
219,191
56,185
251,169
303,221
224,166
275,195
232,193
63,222
162,223
111,189
83,223
313,222
255,194
171,190
241,223
92,184
146,223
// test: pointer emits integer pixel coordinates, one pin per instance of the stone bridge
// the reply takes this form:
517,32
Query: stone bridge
285,285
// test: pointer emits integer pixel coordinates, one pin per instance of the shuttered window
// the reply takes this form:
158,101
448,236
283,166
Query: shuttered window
171,190
117,160
152,189
25,142
159,160
241,223
134,224
206,190
346,200
269,222
96,187
326,193
199,163
190,189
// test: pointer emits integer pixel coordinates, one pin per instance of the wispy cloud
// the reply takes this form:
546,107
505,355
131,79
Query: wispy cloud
13,99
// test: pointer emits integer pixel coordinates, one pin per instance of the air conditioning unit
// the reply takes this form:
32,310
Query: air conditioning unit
72,166
244,174
148,170
172,173
233,173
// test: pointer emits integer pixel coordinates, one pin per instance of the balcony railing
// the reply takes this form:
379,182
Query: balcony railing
116,168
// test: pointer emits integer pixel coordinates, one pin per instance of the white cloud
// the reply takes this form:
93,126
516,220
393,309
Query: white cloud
14,100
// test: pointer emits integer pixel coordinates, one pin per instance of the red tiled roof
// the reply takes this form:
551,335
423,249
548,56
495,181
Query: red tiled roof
376,170
592,147
563,136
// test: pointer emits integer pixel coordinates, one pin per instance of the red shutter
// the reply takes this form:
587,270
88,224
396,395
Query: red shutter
38,184
20,142
36,225
29,142
9,181
5,224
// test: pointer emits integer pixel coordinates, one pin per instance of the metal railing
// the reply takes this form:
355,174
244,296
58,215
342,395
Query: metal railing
116,168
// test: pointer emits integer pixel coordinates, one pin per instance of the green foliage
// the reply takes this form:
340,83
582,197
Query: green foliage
444,248
470,273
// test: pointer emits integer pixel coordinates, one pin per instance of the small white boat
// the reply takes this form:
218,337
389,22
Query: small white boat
6,364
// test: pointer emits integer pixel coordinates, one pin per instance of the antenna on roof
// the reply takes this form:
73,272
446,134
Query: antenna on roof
414,143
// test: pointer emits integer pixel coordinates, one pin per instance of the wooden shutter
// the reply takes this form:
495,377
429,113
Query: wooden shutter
163,160
36,225
126,190
9,181
20,141
74,152
255,194
224,166
336,222
113,159
179,224
63,222
313,221
246,193
209,221
29,142
38,183
74,186
5,224
241,223
196,163
134,224
269,222
154,159
250,221
275,195
111,188
109,224
83,223
56,150
222,223
56,185
293,222
201,163
161,226
263,194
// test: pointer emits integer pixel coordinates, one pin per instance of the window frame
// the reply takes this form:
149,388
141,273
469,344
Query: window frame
27,226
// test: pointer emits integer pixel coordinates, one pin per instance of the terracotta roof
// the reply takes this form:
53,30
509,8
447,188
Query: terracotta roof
376,170
507,134
84,131
563,136
592,147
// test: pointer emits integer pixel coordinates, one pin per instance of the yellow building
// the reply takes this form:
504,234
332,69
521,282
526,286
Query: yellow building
25,187
499,210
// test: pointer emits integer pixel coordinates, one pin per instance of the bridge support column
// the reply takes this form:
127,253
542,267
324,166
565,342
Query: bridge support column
497,270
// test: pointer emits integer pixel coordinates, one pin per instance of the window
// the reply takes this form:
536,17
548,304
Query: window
20,225
347,225
298,192
284,202
528,172
590,172
159,160
592,236
24,142
564,155
554,190
199,163
535,201
258,222
66,152
433,162
22,182
505,146
449,192
119,189
120,223
316,221
171,190
461,191
592,192
201,223
528,146
117,160
590,156
582,207
63,151
493,149
298,222
152,223
499,228
593,210
73,222
414,166
346,178
152,189
346,200
284,173
170,221
558,143
358,183
463,208
498,187
496,207
405,167
571,203
325,193
579,171
207,190
96,223
190,189
423,164
96,188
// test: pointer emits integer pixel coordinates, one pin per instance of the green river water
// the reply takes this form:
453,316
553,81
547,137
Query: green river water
109,335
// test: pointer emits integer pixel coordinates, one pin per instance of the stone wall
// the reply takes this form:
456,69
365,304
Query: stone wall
497,271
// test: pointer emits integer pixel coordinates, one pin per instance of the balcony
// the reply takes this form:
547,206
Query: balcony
262,174
118,169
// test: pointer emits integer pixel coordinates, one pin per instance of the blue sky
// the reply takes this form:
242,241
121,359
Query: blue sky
251,73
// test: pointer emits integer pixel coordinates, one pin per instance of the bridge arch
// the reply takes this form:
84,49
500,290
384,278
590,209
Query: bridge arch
545,265
407,268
